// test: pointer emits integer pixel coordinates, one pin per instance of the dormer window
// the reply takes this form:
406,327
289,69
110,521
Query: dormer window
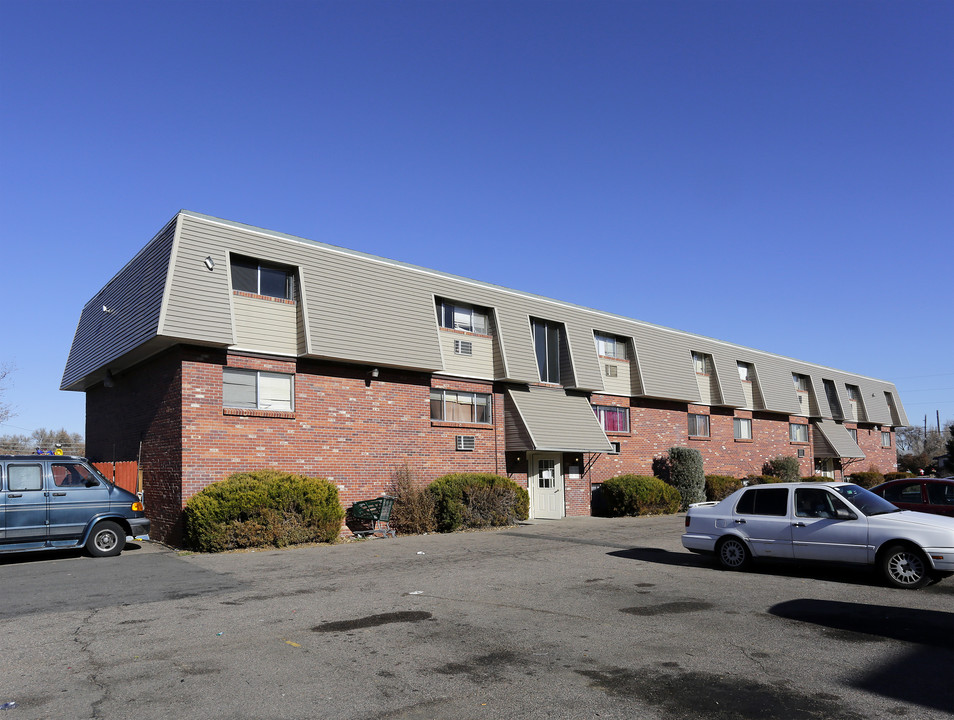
610,346
700,363
457,316
260,278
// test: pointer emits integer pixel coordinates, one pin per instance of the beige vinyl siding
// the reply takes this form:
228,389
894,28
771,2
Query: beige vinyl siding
134,299
836,437
478,365
265,326
347,297
819,400
622,384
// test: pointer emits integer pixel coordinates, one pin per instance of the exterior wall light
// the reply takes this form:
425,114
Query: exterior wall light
209,263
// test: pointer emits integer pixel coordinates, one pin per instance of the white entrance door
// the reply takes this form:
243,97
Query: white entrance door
546,487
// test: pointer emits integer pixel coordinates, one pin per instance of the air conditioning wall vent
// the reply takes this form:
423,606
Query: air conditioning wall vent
466,442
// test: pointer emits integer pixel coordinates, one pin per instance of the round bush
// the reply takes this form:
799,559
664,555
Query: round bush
686,475
866,479
262,508
639,495
477,500
719,487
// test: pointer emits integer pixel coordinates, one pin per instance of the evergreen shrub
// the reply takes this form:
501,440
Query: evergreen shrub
639,495
719,487
686,475
262,508
897,475
784,467
866,479
475,500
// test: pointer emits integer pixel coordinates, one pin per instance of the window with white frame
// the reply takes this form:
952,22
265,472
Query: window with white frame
698,425
801,382
742,428
853,393
745,372
610,346
458,316
261,278
700,363
462,407
854,434
612,419
257,389
886,439
798,432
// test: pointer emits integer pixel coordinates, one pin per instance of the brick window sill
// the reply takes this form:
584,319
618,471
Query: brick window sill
249,412
618,433
474,426
468,333
744,440
269,298
701,438
798,442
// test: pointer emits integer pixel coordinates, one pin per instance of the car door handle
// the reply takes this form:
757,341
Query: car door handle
740,522
798,524
58,494
15,495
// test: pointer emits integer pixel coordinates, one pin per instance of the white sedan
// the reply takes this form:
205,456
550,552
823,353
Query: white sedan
823,521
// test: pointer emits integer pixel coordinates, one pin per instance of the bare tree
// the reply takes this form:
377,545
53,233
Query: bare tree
6,412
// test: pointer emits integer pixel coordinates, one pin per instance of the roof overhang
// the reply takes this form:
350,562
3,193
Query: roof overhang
558,422
839,440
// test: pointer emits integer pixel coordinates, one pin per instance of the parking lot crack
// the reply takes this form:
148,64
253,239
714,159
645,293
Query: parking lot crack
84,644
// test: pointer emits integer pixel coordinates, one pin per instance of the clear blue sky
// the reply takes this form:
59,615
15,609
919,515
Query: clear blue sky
774,174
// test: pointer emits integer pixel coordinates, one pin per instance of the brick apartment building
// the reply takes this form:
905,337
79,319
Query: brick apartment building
223,347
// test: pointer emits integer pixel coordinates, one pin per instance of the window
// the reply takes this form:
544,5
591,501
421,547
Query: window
256,389
854,434
818,503
886,439
24,477
853,393
903,493
801,382
611,370
252,276
745,373
546,345
833,402
612,419
457,316
462,407
699,363
72,475
698,425
764,501
798,432
743,428
611,346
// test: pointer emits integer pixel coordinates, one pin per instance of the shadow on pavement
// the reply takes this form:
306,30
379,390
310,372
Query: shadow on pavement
920,676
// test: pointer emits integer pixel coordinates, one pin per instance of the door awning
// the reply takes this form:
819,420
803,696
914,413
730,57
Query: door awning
839,441
554,421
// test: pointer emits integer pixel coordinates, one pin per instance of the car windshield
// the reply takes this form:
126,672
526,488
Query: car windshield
866,501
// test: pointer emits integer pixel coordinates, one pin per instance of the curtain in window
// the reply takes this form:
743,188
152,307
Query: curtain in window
238,388
275,391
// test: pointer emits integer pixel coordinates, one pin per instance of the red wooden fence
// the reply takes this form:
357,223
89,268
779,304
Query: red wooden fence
124,474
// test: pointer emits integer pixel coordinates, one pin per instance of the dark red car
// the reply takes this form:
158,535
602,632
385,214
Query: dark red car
924,494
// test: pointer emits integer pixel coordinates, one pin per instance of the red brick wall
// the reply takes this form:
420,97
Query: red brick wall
144,405
883,459
352,429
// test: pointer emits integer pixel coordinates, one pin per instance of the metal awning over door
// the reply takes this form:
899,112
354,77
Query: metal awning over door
838,441
549,419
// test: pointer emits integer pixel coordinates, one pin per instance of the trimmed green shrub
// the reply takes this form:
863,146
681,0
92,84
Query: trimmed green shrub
866,479
719,487
784,467
762,479
897,475
476,500
686,475
639,495
262,508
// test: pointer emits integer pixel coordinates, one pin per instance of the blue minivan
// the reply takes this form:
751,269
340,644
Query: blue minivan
50,502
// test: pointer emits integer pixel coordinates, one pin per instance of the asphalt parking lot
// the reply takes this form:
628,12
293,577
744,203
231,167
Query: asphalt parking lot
578,618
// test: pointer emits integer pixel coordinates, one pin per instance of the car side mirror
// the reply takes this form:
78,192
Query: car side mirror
91,483
845,514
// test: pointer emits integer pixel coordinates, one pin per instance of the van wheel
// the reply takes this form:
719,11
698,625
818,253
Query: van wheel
905,567
733,554
106,540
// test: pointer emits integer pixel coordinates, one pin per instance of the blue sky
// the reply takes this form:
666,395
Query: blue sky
774,174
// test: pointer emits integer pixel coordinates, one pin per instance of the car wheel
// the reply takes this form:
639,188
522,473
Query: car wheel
733,554
106,540
905,567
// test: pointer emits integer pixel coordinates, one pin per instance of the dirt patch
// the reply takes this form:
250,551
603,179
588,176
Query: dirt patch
373,621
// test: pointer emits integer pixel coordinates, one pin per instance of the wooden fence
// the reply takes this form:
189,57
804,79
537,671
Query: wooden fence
123,474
